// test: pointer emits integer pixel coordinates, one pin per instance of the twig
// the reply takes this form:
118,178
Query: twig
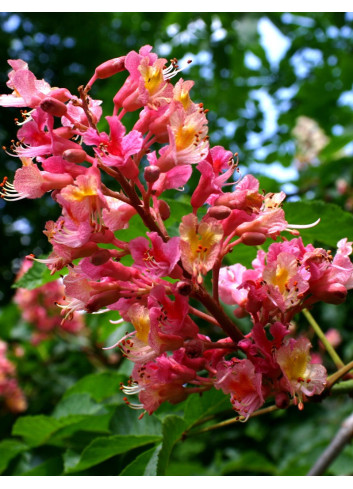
338,375
345,387
203,315
230,421
343,436
329,348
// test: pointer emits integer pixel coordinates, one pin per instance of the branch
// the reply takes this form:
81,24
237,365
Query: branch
343,436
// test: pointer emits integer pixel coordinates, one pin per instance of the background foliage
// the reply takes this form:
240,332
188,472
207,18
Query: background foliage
257,73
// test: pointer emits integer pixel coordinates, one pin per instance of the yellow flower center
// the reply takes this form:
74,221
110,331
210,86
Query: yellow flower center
141,322
184,136
153,78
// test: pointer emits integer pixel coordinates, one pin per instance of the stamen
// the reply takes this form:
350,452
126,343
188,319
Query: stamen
303,226
173,69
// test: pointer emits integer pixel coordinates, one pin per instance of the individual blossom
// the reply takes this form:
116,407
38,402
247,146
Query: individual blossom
32,183
215,170
301,378
239,379
330,277
158,261
84,200
199,244
158,381
116,149
188,141
27,90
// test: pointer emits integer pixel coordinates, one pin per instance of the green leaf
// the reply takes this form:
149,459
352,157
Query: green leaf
76,404
39,430
196,408
99,386
37,276
250,461
36,430
144,464
9,449
102,449
126,422
50,467
210,402
173,429
335,223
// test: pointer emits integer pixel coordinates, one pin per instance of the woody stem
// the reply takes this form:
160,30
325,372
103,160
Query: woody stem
217,312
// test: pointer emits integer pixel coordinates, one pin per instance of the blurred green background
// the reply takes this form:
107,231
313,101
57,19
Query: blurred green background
279,91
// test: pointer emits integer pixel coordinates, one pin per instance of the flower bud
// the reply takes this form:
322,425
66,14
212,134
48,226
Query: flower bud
184,288
240,312
164,209
64,132
75,155
152,173
332,293
282,400
219,212
100,257
110,67
253,239
53,106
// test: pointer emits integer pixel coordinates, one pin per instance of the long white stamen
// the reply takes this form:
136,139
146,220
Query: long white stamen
130,390
118,321
303,226
172,70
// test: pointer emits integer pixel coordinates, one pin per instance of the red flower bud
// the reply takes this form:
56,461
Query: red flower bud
75,155
64,132
110,68
219,212
99,258
164,209
53,106
282,400
332,293
184,288
253,239
152,173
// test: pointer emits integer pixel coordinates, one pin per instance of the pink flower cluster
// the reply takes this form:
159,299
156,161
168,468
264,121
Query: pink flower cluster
39,308
154,281
10,392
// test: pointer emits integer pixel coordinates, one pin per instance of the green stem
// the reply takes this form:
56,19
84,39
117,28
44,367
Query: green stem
344,387
237,419
338,375
329,348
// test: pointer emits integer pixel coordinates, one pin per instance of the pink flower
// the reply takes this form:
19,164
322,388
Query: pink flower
158,261
188,143
200,244
301,377
159,381
239,379
27,90
215,170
